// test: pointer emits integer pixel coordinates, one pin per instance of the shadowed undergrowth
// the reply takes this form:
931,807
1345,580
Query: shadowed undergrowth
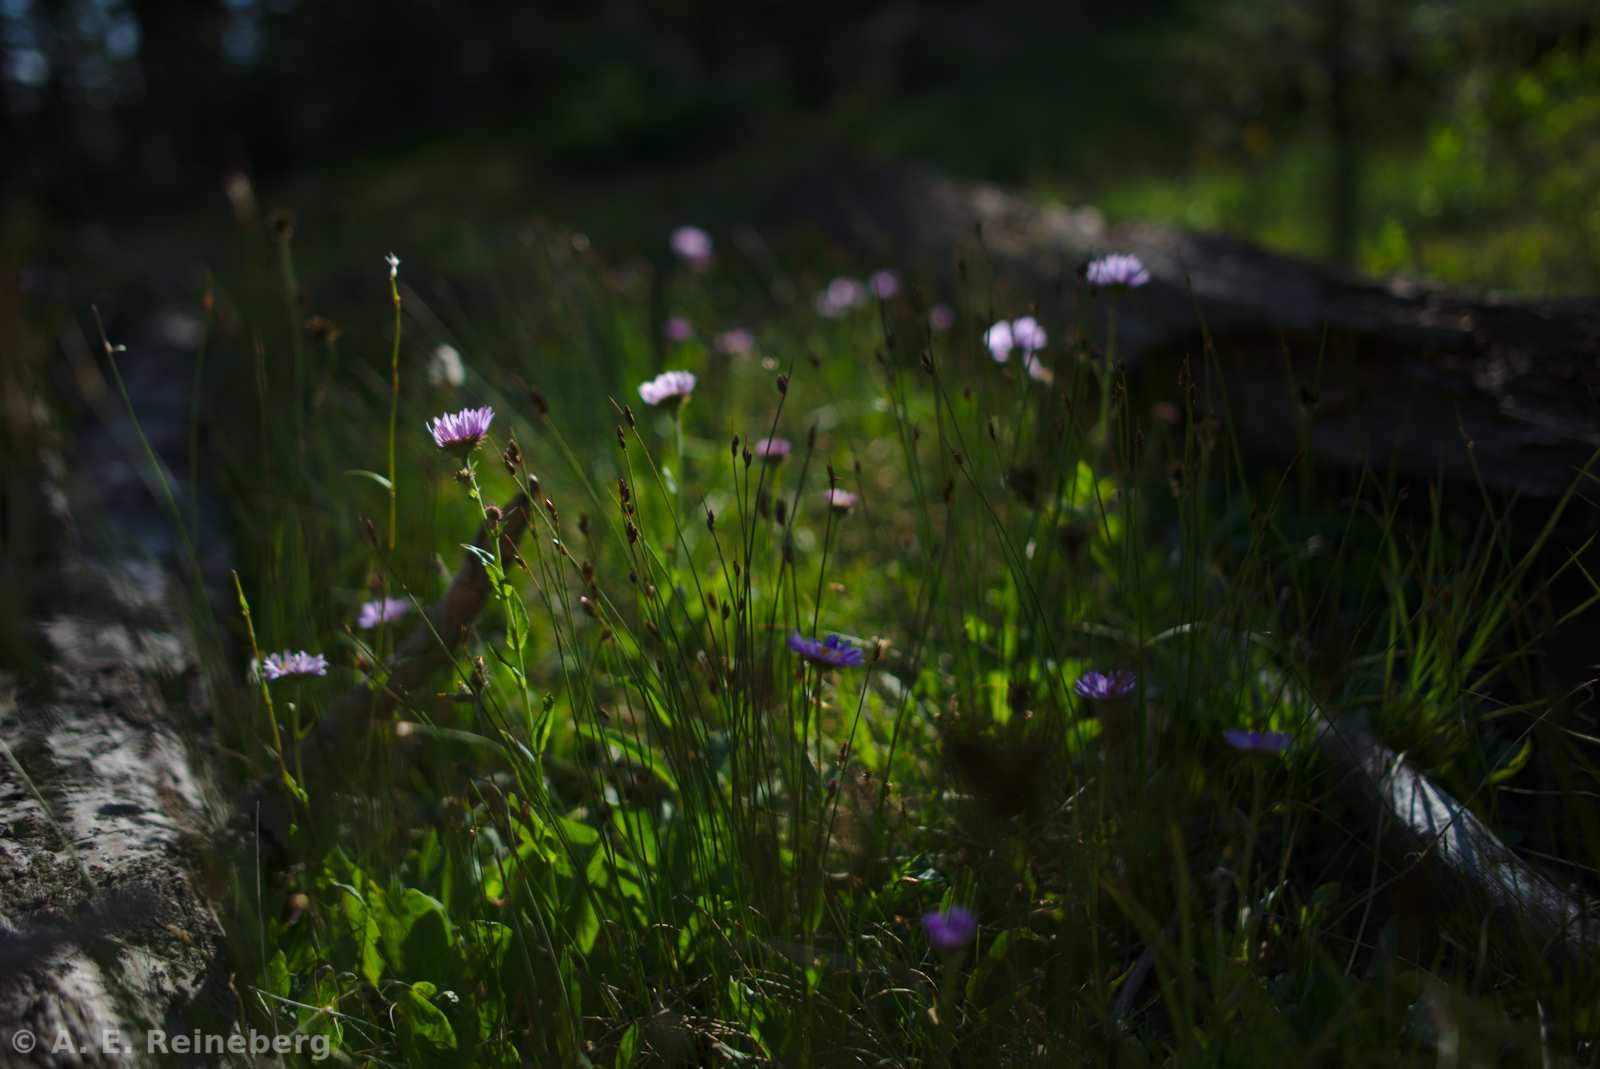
641,819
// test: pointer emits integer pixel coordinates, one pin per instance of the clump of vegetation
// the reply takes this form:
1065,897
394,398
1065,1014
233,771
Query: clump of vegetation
864,691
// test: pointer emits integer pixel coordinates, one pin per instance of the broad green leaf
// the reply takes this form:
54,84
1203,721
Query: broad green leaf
421,1021
427,939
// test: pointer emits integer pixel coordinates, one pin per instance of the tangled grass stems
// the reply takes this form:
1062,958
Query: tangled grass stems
628,804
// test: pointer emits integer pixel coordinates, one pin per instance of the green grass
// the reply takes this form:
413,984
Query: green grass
629,826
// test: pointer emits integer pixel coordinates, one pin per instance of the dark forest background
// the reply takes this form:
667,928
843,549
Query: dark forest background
1455,138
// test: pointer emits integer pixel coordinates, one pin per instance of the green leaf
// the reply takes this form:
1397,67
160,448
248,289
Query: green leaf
1518,762
295,789
374,476
629,1047
278,979
364,932
419,935
583,923
516,620
421,1022
490,940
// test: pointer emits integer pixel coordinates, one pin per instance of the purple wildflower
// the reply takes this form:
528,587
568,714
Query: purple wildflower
832,652
950,930
884,284
461,430
1025,334
381,611
736,342
1118,269
841,500
941,317
693,246
772,450
1104,686
841,295
1000,342
1028,334
276,666
677,328
1274,742
670,388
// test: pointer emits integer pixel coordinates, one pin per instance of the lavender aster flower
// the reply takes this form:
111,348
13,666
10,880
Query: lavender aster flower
693,246
1274,742
1025,334
1117,269
381,611
677,328
832,652
1028,334
736,342
841,295
276,666
950,930
884,284
841,500
1104,686
461,430
772,450
670,388
941,317
1000,341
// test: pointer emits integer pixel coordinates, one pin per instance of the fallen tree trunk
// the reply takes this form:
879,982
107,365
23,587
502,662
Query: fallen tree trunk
108,933
1418,827
1430,380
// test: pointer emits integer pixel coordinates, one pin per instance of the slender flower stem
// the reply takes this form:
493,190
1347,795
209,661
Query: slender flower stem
677,426
291,293
261,679
1107,373
477,494
394,397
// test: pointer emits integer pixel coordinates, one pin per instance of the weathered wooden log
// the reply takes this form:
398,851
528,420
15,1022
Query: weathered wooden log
1430,380
1419,827
107,930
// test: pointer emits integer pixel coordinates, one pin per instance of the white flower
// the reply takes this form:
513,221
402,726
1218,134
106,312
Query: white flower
445,370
